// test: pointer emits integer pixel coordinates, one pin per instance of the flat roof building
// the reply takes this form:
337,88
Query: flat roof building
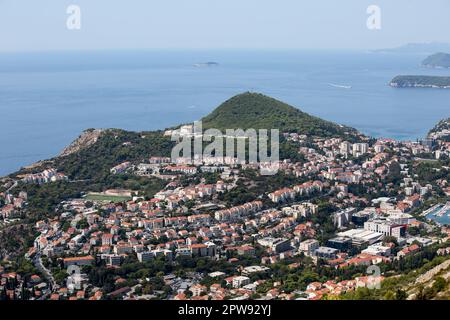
326,252
340,243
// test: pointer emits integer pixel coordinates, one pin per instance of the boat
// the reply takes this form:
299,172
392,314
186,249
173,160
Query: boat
340,86
444,210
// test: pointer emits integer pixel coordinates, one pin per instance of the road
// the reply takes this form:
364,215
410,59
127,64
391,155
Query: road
12,187
37,261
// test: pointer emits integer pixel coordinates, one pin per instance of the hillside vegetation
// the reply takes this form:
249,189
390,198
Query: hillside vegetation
254,110
92,155
113,146
444,124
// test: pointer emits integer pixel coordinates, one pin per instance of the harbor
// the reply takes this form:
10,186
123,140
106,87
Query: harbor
439,213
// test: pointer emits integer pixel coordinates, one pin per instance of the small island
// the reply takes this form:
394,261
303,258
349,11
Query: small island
437,60
206,64
420,82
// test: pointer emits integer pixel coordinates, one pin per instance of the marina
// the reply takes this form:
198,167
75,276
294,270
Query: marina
439,213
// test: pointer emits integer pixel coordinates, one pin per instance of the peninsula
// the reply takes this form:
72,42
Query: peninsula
420,82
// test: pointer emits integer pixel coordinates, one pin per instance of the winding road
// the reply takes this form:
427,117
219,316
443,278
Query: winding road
37,261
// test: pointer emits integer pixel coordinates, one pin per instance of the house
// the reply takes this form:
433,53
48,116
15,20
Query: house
78,261
107,239
182,169
123,248
408,251
145,256
246,250
282,195
309,246
413,201
240,281
326,252
275,244
120,168
114,260
314,286
197,290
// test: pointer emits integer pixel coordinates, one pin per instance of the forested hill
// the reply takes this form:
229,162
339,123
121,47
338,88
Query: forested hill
444,124
441,130
111,147
254,110
93,154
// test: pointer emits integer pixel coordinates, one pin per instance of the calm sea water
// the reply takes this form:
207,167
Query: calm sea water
47,99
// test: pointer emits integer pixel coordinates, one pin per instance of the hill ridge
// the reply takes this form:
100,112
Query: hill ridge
258,111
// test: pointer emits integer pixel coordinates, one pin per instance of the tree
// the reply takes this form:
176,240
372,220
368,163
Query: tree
60,277
389,295
401,294
82,224
439,284
394,172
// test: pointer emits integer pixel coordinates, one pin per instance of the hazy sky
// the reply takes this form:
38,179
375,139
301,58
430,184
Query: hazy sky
41,24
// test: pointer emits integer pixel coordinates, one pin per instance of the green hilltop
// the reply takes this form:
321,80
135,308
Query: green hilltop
255,110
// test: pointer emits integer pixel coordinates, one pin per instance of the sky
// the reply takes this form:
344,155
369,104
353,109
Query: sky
40,25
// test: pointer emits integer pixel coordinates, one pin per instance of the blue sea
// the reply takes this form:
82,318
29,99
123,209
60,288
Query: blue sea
48,98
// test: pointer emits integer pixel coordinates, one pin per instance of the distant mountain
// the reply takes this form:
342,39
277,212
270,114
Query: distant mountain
420,82
254,110
426,48
437,60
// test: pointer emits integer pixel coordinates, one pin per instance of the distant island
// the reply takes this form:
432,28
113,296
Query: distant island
427,48
206,64
420,82
437,60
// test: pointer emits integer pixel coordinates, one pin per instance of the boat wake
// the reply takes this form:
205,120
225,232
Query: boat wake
340,86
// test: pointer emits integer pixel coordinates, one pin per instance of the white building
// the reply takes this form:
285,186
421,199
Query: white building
377,249
384,227
343,217
240,281
360,149
309,246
